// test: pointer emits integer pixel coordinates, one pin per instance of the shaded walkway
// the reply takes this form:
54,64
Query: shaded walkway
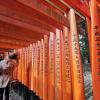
20,92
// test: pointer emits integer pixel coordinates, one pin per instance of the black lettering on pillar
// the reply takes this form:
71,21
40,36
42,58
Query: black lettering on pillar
97,43
77,59
67,59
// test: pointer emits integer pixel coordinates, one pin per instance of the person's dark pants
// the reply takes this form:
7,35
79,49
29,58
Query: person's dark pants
6,89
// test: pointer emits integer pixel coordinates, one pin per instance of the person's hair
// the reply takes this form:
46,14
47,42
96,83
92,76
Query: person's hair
1,56
14,56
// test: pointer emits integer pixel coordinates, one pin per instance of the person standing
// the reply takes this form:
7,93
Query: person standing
6,69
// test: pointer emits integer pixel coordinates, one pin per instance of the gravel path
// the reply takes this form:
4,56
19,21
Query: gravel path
88,82
88,86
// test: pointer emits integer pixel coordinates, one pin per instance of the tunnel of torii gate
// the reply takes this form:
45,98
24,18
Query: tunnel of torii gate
45,34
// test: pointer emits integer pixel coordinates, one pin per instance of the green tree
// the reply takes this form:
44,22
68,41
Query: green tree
83,40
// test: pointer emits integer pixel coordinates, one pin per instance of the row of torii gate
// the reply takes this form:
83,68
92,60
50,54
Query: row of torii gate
52,66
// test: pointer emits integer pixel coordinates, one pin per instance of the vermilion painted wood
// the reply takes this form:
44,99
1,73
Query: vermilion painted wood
20,65
76,63
23,66
45,67
3,40
58,66
23,42
29,66
18,16
9,46
32,69
51,71
25,77
25,18
42,11
37,68
95,57
18,32
22,13
57,3
82,8
41,69
88,21
16,37
66,63
6,39
23,25
4,49
17,6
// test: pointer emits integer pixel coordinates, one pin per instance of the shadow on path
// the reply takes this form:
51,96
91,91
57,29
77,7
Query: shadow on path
20,92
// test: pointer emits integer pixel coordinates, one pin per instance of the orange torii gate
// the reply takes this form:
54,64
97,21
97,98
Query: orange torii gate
75,80
94,47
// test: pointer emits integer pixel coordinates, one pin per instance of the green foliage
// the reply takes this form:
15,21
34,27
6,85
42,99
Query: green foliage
83,40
